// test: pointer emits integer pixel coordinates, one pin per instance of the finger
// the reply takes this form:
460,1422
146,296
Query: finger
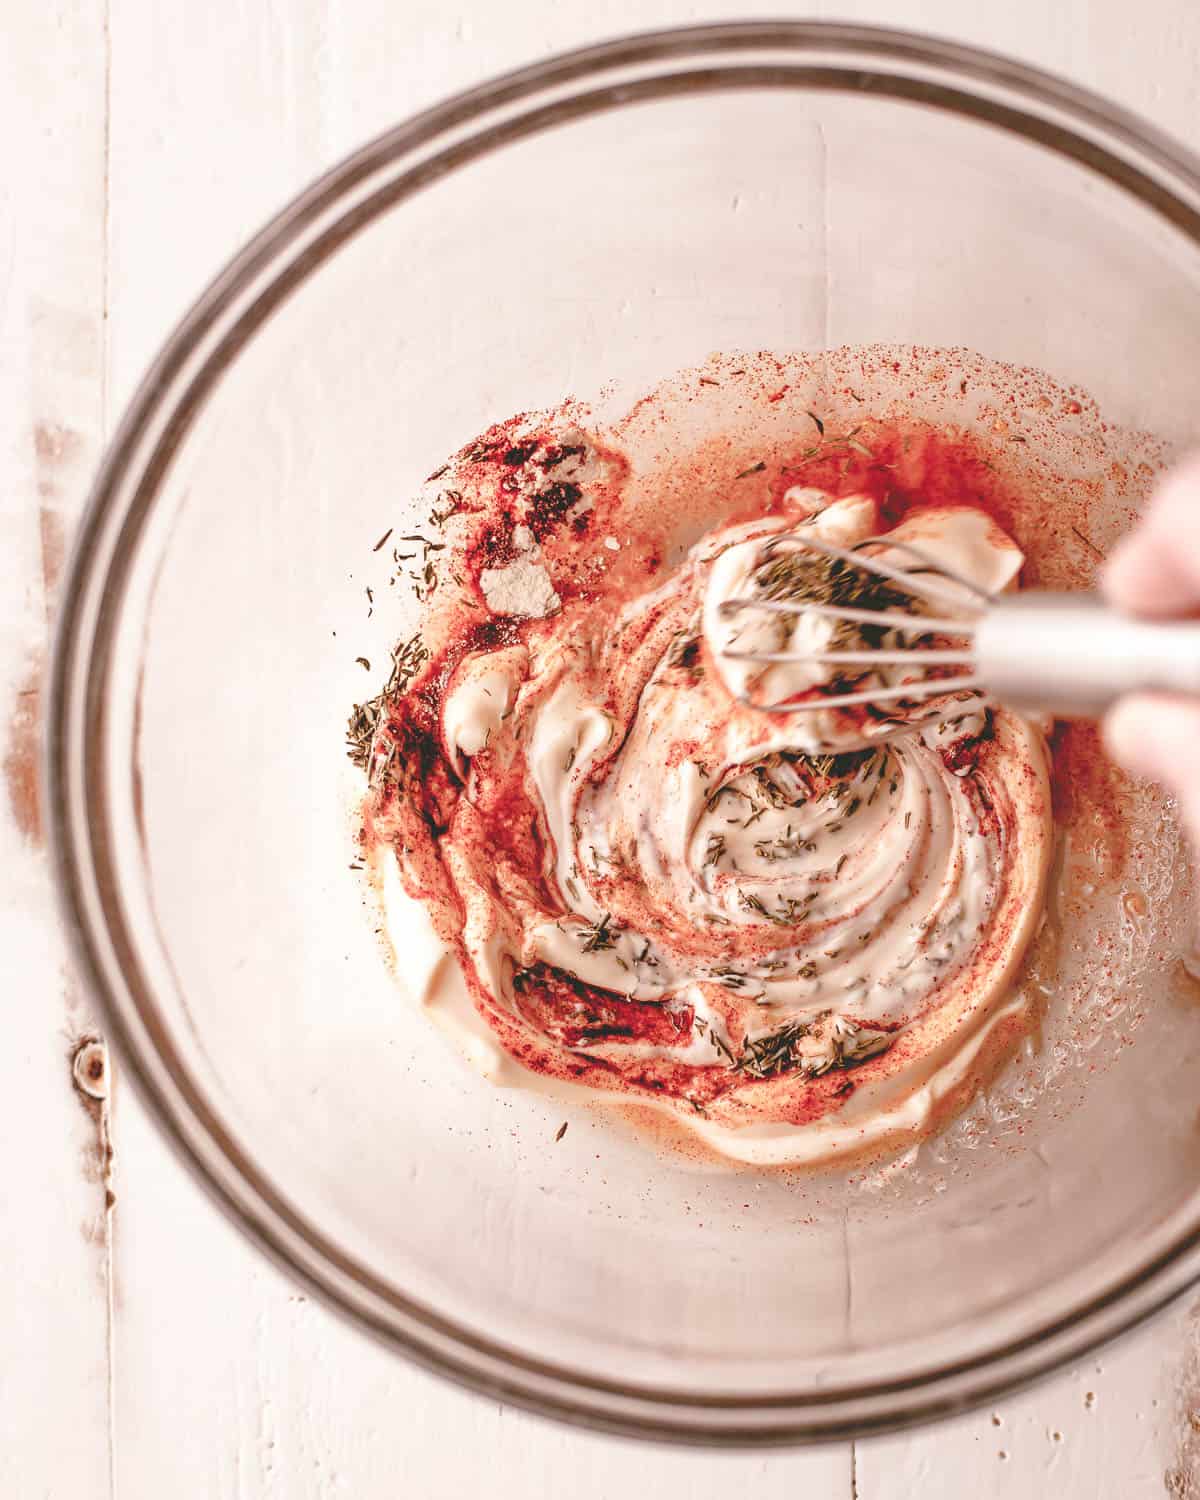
1159,737
1155,570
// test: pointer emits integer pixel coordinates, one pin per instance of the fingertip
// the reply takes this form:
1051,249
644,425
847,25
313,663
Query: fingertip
1155,569
1123,732
1155,736
1153,576
1176,493
1128,577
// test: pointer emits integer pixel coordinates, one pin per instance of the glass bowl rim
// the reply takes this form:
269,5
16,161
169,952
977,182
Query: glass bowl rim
878,61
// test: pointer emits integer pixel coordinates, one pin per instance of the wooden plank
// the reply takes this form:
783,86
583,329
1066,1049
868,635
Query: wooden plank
267,1394
54,1237
216,123
229,1383
1151,65
1112,1426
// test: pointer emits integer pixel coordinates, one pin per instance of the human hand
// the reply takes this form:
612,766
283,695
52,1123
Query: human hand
1155,571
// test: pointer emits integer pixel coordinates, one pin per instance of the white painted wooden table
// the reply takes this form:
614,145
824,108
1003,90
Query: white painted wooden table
147,1351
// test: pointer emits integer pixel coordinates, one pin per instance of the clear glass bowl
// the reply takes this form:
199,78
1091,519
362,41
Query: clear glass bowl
598,220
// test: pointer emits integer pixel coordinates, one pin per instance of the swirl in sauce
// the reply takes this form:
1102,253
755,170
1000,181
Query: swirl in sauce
793,931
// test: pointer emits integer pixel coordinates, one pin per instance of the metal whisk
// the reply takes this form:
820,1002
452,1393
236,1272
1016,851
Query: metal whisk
1058,653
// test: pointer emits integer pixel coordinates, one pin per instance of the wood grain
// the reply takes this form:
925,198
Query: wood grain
55,1435
152,140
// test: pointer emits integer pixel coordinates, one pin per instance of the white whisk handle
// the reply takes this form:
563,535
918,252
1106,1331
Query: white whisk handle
1071,655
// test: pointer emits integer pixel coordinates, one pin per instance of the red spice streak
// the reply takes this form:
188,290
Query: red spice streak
486,634
530,481
1090,794
911,466
577,1014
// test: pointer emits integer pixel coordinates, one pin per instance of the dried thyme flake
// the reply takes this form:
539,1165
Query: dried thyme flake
814,578
792,910
452,500
722,1047
685,652
775,1053
766,786
1090,545
714,849
783,848
367,719
599,935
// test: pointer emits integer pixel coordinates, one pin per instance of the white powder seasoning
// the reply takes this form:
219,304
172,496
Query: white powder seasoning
521,588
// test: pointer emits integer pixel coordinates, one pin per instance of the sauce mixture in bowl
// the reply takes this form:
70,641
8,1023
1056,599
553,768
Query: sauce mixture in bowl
796,933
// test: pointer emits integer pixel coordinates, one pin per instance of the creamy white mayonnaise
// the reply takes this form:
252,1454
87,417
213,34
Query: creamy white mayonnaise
793,913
